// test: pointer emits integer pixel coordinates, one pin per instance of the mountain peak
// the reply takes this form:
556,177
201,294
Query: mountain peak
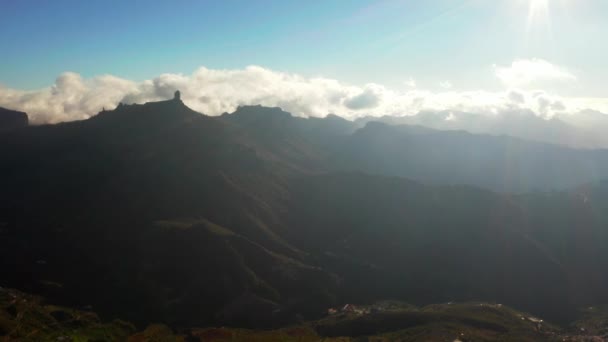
150,113
258,115
261,111
334,117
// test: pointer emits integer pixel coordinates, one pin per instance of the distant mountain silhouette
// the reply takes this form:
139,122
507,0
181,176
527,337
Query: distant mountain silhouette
578,131
11,119
257,218
457,157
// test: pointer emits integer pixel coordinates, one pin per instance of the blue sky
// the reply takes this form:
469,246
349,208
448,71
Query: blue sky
355,41
67,59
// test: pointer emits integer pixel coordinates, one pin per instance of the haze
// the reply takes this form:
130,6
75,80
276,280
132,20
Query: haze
346,170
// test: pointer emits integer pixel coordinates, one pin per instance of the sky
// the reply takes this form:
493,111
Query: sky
65,59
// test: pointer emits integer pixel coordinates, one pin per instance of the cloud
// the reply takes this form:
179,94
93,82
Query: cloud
516,97
369,98
548,105
526,72
215,91
70,98
446,85
411,83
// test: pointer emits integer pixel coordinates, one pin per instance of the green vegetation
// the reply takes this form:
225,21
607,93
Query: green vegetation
28,318
593,321
445,322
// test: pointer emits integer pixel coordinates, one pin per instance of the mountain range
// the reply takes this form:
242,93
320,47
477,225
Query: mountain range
581,130
157,213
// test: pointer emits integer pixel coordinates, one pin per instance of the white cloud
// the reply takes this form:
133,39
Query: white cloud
446,85
368,99
213,91
517,97
531,72
411,83
70,98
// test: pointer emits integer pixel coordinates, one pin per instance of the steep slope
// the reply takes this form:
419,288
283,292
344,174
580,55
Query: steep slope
157,213
392,238
304,143
80,202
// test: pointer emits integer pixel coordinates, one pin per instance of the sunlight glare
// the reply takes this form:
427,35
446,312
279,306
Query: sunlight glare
538,22
538,11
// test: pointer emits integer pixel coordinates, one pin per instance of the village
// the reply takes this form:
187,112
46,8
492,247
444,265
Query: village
380,306
592,327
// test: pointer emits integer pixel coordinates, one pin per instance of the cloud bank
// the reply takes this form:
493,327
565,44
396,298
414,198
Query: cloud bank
526,72
214,92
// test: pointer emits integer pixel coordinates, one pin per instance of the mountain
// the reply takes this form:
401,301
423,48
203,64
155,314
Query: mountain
129,194
591,123
157,213
581,130
10,119
441,244
500,163
304,142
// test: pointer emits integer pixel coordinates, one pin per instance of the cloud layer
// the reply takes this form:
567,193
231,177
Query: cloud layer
526,72
216,91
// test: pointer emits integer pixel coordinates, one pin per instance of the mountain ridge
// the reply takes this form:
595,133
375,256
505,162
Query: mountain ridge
170,215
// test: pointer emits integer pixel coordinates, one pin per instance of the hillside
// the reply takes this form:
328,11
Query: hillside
438,244
578,130
156,213
499,163
117,175
25,317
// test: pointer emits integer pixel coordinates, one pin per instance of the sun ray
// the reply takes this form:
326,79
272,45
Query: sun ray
538,13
